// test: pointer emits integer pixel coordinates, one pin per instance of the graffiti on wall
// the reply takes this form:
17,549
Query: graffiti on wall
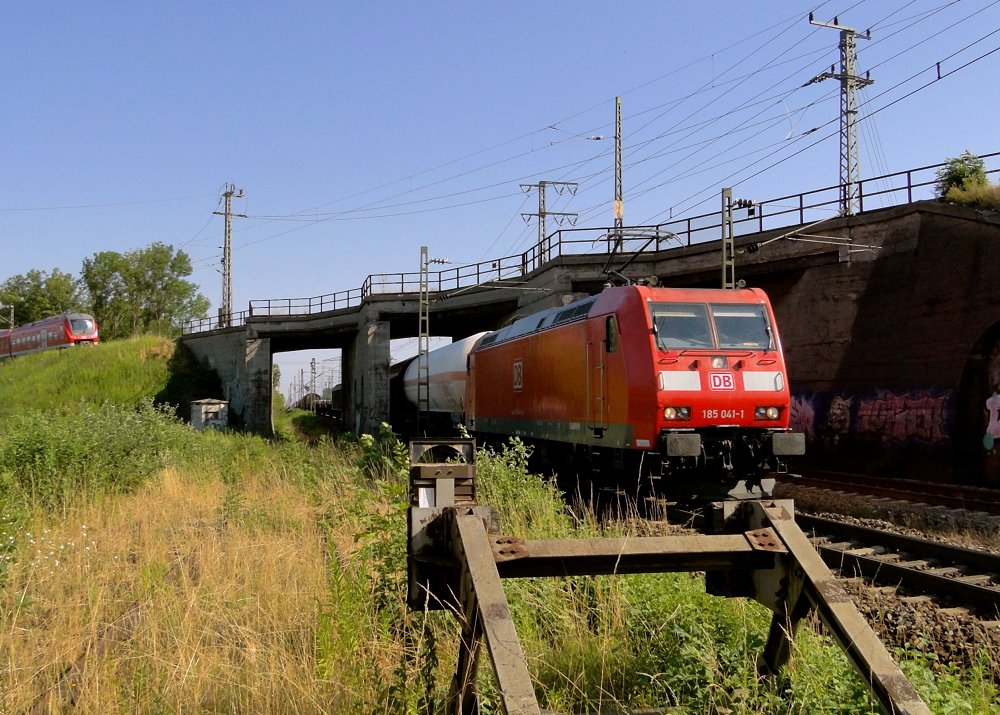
992,421
993,401
889,418
803,416
899,418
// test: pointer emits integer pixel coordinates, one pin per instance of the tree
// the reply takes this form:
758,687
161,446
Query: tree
142,291
37,294
963,172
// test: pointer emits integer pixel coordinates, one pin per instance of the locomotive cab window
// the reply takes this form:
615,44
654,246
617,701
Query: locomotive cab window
611,334
82,325
693,326
742,326
681,325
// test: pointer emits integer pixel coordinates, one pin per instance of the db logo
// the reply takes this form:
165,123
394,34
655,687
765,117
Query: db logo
722,381
518,375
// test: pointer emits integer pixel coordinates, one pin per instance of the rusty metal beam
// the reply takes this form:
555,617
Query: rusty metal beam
485,616
817,587
649,554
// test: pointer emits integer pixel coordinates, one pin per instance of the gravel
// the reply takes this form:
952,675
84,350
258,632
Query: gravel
951,635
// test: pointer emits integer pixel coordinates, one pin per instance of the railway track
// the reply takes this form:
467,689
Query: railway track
952,496
963,577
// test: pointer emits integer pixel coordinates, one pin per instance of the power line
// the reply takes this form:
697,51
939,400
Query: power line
70,207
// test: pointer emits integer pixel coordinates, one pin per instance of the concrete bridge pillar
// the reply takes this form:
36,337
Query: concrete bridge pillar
243,364
257,410
366,376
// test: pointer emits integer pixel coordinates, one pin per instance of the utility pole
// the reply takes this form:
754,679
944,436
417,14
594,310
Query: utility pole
729,239
849,84
226,311
619,206
423,344
312,385
424,341
561,187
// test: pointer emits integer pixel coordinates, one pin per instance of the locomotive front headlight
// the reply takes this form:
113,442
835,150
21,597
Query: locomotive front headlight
720,363
767,413
675,414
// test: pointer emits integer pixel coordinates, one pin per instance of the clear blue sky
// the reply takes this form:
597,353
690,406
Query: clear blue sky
364,130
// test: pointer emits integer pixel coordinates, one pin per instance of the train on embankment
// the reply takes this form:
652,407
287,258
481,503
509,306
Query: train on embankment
679,392
56,332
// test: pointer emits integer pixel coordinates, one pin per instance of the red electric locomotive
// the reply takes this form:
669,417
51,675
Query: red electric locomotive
60,331
685,388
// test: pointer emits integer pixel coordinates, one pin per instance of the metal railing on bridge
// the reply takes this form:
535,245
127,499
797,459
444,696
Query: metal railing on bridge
201,325
898,188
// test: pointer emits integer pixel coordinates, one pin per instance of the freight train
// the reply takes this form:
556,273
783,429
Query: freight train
682,390
59,331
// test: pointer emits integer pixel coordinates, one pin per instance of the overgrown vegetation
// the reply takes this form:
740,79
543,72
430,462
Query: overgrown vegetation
963,180
217,572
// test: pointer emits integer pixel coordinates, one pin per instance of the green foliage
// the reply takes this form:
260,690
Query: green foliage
980,196
142,291
593,644
528,505
962,172
51,460
384,457
37,295
947,689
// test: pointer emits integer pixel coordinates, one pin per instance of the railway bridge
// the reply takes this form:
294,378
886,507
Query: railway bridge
890,321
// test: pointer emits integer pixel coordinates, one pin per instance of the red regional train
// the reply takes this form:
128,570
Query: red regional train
59,331
685,389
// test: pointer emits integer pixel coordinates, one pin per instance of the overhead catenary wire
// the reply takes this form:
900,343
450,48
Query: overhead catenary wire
371,209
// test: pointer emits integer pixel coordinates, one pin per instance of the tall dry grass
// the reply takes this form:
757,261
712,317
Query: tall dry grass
169,600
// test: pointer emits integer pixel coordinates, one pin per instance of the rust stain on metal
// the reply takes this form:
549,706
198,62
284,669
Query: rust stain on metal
765,540
496,612
899,687
508,548
832,592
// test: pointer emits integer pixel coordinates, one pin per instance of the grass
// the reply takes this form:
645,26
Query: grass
123,372
218,572
984,195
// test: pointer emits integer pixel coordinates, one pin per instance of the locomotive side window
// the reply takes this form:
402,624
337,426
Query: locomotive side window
681,325
742,326
611,332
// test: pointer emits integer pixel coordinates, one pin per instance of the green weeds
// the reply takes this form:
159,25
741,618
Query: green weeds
51,461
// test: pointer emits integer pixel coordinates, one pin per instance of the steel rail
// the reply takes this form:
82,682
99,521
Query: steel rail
958,589
953,496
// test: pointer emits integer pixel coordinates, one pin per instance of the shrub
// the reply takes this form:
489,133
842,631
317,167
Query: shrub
51,460
962,172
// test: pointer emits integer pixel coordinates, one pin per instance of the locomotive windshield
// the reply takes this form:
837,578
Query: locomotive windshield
81,325
690,325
